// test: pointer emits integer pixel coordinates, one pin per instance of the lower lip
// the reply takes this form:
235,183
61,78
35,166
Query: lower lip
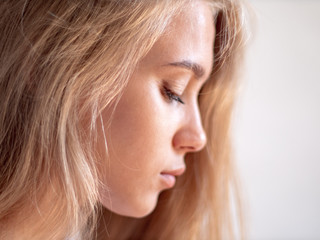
168,180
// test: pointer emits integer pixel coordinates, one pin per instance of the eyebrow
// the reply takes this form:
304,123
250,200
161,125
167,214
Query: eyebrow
197,69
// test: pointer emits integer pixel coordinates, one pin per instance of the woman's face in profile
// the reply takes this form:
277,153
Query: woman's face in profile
157,120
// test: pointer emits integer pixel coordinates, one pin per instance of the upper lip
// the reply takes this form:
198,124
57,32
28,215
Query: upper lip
175,172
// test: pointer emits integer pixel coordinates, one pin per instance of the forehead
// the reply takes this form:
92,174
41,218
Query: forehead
189,37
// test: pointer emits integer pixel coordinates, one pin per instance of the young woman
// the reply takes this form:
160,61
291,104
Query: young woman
115,118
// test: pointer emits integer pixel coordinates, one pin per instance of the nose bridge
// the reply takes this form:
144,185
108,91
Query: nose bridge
194,137
197,127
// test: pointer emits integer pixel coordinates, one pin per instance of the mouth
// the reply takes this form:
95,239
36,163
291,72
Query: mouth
169,177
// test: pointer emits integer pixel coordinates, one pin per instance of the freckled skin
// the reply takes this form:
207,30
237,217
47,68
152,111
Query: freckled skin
150,133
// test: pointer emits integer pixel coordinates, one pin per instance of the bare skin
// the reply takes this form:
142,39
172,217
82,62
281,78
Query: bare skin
157,120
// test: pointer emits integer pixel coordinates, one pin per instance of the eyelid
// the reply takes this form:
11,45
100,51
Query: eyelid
171,95
177,84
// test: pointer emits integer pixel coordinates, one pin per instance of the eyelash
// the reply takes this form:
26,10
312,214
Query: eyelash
171,95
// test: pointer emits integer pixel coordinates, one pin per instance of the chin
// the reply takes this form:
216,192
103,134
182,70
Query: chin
137,210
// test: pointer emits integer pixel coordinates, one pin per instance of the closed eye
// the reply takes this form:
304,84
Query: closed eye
171,95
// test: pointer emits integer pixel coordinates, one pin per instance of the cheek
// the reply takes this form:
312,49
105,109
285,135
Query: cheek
139,138
139,144
141,122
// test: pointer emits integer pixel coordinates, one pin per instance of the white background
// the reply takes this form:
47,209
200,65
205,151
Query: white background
277,122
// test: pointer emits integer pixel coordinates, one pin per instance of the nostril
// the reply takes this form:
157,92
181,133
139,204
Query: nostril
189,148
189,140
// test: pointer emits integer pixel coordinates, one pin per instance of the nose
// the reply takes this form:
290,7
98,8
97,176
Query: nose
190,137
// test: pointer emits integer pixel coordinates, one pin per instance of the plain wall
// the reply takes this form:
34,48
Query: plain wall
277,122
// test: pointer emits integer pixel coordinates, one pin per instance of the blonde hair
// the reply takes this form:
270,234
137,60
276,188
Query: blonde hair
62,62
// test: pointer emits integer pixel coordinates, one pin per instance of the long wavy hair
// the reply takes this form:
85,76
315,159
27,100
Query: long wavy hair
61,63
